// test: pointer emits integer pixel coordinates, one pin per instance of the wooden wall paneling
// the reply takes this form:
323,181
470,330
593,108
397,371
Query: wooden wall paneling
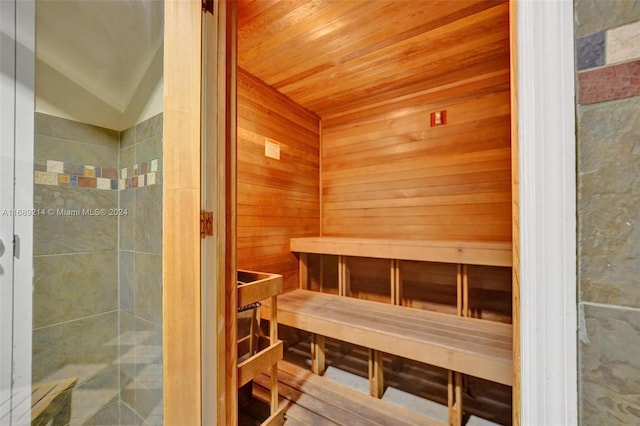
490,293
277,199
181,267
387,174
515,214
370,278
332,56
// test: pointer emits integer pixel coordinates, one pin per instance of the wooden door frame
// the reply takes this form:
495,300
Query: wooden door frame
545,388
181,263
199,295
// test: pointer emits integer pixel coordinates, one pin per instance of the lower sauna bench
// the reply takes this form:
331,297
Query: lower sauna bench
461,345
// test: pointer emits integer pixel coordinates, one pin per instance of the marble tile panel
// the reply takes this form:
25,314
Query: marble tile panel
149,128
149,149
55,166
148,219
592,16
127,276
128,417
83,345
68,151
58,233
127,223
128,137
590,51
148,287
609,83
50,125
45,178
609,367
608,188
127,157
107,415
623,43
71,286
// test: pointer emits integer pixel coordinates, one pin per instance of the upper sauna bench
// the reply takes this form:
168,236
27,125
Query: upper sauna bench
461,252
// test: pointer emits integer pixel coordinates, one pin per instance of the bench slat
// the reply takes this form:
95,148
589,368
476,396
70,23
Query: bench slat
474,338
350,320
463,252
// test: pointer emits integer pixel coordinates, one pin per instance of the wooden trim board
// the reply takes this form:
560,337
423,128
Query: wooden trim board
181,266
515,211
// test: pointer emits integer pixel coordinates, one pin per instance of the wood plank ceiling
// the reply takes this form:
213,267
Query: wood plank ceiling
332,56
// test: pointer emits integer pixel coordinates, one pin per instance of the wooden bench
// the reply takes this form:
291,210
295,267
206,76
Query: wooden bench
458,343
50,402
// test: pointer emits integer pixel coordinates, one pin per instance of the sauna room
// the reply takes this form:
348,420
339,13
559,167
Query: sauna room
374,193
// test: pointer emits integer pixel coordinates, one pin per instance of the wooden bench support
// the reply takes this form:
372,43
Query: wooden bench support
344,279
303,271
317,355
273,340
454,398
376,374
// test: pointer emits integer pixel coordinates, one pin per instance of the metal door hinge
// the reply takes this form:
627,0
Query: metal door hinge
206,224
207,6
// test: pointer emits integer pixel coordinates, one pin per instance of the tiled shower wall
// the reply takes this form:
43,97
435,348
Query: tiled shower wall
98,287
140,249
608,120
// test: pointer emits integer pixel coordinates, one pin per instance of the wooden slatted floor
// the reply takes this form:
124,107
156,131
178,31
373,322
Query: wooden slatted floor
315,401
486,400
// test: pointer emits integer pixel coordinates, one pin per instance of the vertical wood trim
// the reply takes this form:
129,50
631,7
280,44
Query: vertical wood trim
346,285
273,339
392,278
376,374
396,283
458,412
515,213
341,274
450,396
465,290
181,266
304,271
459,289
399,290
320,174
229,13
317,354
213,199
321,274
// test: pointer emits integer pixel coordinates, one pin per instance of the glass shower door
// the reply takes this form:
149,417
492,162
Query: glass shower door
97,246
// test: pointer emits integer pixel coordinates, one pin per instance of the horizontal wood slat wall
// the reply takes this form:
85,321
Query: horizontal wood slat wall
387,174
277,199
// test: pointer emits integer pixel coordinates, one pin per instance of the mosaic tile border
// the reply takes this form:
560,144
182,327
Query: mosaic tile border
608,64
59,173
